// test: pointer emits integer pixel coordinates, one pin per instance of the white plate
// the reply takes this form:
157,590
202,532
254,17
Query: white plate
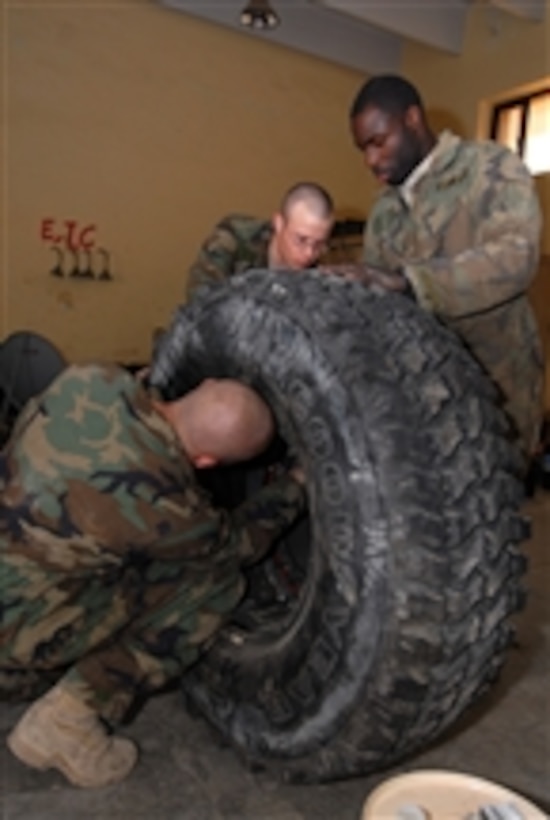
443,796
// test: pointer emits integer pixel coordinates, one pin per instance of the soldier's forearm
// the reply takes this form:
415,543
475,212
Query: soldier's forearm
475,280
267,514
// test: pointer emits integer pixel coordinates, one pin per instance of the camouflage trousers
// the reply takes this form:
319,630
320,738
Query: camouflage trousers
125,640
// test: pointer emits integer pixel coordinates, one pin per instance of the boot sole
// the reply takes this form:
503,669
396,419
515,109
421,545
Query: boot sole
30,756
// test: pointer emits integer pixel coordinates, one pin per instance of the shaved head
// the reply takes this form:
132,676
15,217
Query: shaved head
222,421
301,227
316,198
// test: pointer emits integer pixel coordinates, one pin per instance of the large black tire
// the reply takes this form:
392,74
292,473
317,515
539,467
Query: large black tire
414,570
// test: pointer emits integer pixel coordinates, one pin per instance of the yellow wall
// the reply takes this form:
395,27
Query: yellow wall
500,53
150,125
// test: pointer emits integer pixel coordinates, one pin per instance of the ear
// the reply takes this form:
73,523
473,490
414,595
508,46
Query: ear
414,118
203,461
277,222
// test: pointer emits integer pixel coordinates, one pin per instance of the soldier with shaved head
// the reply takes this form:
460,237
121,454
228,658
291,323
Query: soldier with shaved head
294,239
115,569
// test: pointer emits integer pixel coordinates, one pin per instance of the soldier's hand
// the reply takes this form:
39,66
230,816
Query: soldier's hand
293,467
370,276
346,271
298,474
142,374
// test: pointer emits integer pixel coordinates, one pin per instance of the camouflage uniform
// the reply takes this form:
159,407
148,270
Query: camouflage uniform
113,564
237,243
468,242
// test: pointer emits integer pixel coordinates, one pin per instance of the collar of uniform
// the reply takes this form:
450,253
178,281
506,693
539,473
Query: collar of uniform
406,190
440,155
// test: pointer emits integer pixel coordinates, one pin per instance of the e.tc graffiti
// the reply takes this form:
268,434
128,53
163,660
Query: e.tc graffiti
69,233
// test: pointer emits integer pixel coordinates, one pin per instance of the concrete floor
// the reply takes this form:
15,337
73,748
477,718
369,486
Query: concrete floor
184,774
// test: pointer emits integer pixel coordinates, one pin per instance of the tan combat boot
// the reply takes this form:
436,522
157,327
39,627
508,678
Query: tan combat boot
59,731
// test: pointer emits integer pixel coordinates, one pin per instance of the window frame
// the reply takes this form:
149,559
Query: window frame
522,101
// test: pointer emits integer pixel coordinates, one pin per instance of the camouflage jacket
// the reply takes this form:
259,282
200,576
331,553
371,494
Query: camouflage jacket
93,481
236,244
468,242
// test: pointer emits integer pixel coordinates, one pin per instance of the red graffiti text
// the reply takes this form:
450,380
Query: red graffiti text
69,233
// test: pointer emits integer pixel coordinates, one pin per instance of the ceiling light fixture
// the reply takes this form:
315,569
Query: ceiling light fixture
258,14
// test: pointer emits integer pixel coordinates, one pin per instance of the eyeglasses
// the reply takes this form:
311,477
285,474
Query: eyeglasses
307,243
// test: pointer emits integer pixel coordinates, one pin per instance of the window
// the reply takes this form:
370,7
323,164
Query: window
523,125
